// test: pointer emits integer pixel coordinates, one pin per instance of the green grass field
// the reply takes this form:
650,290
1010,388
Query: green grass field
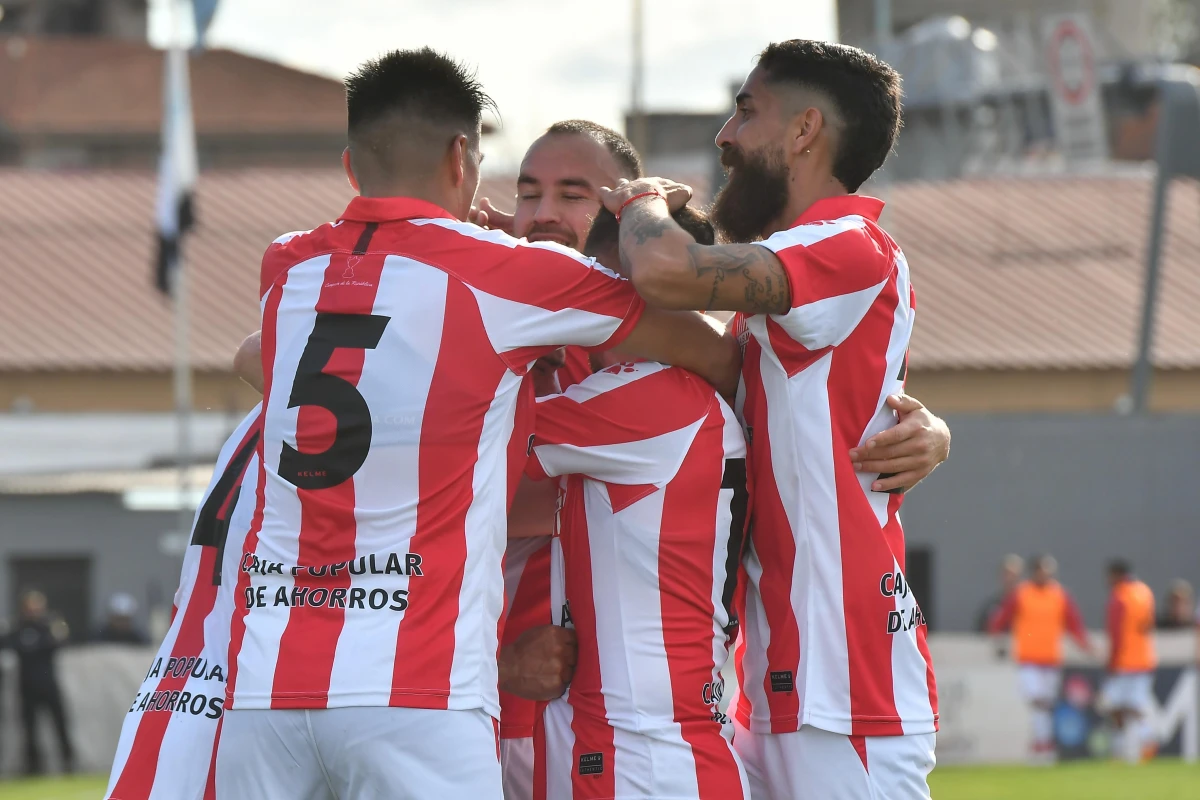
1161,780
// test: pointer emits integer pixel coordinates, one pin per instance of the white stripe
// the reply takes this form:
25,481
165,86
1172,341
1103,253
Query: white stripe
480,601
560,746
809,234
655,460
910,685
512,325
279,539
504,240
386,486
828,321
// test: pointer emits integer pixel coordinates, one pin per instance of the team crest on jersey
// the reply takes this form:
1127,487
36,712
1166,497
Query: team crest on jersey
617,369
741,331
351,263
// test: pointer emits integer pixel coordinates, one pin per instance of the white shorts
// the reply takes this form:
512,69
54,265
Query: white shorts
1039,684
1128,691
587,759
812,764
365,753
516,766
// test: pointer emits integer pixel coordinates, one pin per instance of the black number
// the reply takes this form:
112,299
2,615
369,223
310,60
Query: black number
212,529
315,387
735,478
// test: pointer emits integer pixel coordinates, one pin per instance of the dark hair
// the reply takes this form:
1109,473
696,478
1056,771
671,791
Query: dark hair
864,90
627,158
1120,568
406,102
605,231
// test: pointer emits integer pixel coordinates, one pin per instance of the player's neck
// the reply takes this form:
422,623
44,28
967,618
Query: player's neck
429,194
803,192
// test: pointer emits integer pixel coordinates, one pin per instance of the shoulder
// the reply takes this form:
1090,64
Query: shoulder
290,249
503,244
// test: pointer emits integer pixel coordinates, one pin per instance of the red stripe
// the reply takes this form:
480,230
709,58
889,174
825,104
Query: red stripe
857,374
686,545
589,719
847,262
793,356
138,772
559,423
327,525
530,607
539,752
775,545
237,626
465,379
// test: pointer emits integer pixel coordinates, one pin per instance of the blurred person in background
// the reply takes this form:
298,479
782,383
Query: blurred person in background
1179,612
119,627
1038,612
1128,690
36,639
1012,569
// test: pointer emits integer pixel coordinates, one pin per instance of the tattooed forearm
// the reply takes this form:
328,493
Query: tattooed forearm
764,287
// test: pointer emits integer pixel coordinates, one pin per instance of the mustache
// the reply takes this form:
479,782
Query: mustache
732,156
553,230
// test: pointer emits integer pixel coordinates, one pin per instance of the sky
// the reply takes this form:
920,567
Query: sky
541,60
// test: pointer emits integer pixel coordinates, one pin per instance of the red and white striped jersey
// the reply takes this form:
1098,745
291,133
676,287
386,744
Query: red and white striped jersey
168,739
395,423
832,635
527,600
647,548
527,578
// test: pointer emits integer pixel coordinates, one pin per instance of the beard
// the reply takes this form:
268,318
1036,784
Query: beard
755,194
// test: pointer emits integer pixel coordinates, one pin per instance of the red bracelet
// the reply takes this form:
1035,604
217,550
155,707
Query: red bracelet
652,193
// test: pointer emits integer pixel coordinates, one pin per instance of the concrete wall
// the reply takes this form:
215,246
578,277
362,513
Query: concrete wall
1085,488
125,547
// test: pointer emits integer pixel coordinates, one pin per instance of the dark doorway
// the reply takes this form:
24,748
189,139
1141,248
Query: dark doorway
65,580
918,571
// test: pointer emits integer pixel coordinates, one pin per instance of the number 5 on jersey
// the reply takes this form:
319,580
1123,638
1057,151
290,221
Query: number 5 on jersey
315,387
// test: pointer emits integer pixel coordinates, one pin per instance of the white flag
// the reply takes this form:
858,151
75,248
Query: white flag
177,167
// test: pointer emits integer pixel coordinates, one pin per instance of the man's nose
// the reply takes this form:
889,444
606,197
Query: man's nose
725,135
547,211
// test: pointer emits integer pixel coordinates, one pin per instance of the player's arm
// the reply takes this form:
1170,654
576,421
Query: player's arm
539,664
1003,616
1074,622
532,511
1116,615
247,361
670,270
689,340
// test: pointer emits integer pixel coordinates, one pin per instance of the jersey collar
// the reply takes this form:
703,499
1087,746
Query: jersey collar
389,209
842,206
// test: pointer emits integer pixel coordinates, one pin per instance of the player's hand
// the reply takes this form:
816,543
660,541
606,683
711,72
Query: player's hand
486,215
908,451
677,194
540,663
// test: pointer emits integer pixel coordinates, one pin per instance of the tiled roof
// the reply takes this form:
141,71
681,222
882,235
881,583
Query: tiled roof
1046,273
98,86
76,255
1043,274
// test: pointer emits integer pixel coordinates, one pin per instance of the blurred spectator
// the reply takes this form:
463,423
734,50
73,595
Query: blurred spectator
36,639
1129,688
1038,612
1179,612
1012,569
119,627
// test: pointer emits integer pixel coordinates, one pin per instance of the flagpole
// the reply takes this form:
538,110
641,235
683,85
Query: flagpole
183,368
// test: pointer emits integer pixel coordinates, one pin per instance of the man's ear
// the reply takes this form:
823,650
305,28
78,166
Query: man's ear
458,153
349,170
805,128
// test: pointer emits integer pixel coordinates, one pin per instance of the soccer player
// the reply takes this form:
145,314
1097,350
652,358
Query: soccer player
395,343
1039,611
837,695
1128,692
169,736
646,558
558,196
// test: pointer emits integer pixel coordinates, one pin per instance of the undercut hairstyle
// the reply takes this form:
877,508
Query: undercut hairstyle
622,150
605,233
406,105
865,93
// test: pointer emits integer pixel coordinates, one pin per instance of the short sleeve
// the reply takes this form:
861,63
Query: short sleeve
631,424
535,297
836,271
276,260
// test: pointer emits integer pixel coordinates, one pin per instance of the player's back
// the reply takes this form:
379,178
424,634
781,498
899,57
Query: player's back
1133,627
394,346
